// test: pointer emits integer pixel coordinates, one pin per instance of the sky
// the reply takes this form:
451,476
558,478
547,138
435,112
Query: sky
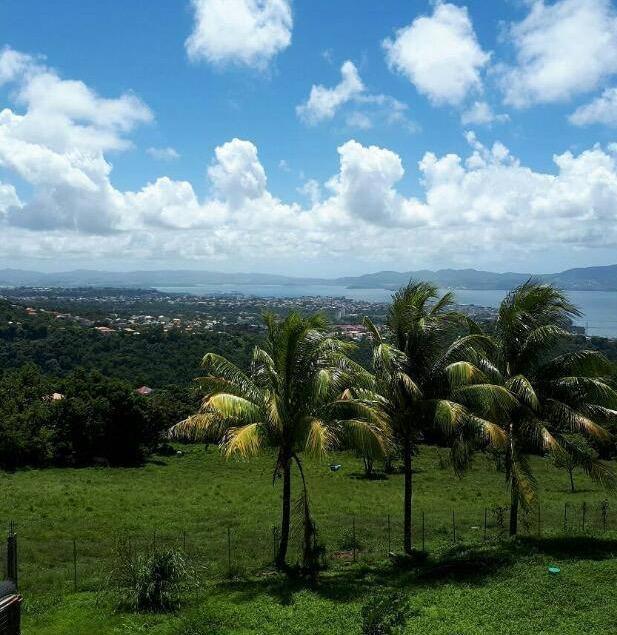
308,137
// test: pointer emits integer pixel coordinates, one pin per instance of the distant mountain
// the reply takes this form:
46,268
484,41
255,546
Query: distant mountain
454,278
587,278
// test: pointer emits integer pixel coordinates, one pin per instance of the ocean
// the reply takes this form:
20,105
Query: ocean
599,307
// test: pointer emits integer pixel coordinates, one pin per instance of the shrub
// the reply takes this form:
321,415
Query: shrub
349,542
385,613
150,580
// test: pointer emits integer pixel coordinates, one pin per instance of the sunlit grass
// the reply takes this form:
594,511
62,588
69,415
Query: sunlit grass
193,499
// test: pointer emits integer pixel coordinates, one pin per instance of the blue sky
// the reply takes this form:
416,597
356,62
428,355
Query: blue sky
151,134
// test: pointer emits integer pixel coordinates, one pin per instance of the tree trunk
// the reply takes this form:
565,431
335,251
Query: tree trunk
407,528
571,481
513,512
281,556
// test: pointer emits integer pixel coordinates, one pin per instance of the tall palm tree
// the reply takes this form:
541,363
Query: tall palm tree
557,393
423,380
291,400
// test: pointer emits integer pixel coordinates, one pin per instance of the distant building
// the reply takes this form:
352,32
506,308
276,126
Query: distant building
104,330
144,391
56,396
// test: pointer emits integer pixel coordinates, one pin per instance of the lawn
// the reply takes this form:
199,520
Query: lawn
223,512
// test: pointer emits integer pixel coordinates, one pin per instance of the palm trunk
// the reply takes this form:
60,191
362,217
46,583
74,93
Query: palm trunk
281,556
513,511
407,528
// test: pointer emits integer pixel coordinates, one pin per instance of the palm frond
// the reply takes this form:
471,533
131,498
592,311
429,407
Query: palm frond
524,391
319,438
463,374
245,441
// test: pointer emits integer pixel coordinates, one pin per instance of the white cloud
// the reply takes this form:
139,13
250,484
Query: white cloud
242,32
163,154
602,110
323,102
481,114
8,198
486,201
562,49
359,120
237,175
439,54
312,190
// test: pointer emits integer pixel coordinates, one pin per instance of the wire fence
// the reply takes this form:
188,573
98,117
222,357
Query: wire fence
54,558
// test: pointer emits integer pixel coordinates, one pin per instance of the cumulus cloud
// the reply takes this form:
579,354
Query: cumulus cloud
242,32
562,49
323,102
439,54
163,154
486,199
481,114
602,110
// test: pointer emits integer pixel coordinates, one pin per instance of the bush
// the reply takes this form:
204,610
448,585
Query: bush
385,613
150,580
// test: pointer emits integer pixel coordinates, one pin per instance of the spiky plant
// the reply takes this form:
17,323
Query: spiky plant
424,380
291,400
557,393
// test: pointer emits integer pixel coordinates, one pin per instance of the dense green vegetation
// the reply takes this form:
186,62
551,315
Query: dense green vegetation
514,395
153,358
510,591
92,419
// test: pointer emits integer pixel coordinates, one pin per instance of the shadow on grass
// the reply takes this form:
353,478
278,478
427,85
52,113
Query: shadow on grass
568,547
353,582
375,476
463,563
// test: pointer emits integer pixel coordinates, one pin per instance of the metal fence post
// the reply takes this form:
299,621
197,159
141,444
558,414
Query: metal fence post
423,541
485,522
229,550
565,517
353,536
75,565
453,527
11,555
389,535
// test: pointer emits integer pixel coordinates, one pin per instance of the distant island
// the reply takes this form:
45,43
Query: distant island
580,279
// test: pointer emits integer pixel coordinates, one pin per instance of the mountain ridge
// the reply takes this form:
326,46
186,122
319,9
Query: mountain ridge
596,278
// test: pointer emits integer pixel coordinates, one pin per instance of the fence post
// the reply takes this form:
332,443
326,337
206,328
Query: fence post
273,543
453,527
423,542
353,536
229,551
11,554
75,565
604,512
485,515
565,517
584,513
184,540
389,536
539,519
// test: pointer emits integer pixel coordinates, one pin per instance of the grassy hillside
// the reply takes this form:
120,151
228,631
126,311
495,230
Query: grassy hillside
195,498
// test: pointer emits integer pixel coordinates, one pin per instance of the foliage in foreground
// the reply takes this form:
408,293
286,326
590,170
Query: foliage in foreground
291,400
151,580
385,613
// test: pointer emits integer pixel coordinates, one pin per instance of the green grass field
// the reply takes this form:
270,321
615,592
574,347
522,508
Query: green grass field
482,583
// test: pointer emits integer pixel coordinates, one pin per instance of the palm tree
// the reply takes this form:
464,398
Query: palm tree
557,394
423,380
290,401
